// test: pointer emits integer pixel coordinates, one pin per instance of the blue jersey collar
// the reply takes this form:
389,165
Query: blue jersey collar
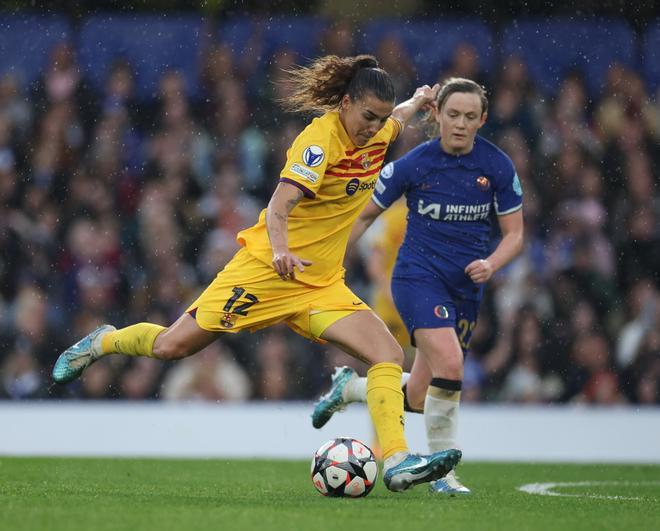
447,160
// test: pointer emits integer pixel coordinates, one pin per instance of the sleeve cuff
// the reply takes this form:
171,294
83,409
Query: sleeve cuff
375,200
306,191
510,211
398,127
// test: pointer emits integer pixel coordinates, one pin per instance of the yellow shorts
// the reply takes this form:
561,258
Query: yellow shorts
249,295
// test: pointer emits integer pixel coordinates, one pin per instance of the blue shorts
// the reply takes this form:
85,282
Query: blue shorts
427,303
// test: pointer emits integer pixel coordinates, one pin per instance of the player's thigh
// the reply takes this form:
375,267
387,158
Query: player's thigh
429,312
183,338
444,349
334,313
441,351
316,308
364,335
423,303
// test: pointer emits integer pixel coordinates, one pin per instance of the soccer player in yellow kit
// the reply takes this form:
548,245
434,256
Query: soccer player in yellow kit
290,265
383,249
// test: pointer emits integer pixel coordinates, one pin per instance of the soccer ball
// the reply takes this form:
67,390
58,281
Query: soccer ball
344,467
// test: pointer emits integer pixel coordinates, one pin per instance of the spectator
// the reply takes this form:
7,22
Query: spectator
212,375
526,380
15,108
338,39
63,82
465,63
395,59
100,191
272,360
593,380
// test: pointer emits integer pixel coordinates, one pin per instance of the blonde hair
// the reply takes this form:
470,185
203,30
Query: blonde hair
450,86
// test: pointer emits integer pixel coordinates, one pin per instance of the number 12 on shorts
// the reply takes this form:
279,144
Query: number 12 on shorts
242,308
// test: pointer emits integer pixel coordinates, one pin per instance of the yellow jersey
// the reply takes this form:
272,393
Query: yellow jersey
337,178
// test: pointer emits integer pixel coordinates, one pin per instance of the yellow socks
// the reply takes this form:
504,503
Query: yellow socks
385,403
135,340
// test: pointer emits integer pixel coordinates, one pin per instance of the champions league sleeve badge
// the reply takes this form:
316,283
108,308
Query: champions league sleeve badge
387,171
313,156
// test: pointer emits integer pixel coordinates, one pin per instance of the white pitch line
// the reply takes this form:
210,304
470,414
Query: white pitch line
546,489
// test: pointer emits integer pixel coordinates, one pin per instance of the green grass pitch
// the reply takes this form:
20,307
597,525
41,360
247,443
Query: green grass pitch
43,494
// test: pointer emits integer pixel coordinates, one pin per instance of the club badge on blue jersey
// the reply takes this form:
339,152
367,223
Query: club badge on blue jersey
313,156
483,183
441,312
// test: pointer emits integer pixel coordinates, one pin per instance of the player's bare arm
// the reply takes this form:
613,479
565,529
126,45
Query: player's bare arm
509,247
424,96
283,201
364,221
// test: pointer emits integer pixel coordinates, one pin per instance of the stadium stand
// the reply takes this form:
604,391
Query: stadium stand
650,56
150,44
26,43
133,147
552,48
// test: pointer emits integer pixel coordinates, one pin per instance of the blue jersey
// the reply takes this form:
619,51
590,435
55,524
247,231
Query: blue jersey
450,199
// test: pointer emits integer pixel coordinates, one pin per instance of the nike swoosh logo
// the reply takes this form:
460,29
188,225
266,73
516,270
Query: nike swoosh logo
357,303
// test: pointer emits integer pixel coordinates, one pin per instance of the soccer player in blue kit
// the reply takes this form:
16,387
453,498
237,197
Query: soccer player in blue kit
452,184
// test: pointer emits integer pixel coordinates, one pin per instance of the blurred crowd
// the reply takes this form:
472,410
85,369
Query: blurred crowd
118,210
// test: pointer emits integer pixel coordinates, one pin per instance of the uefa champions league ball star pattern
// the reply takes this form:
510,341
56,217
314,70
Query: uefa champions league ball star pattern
344,467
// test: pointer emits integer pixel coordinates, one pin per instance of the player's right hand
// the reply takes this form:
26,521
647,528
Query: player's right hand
285,263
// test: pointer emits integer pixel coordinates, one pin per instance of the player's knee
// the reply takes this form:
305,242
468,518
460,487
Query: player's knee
399,357
453,368
393,354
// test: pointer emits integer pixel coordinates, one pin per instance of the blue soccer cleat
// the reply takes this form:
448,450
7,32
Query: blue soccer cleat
449,485
333,400
415,469
74,360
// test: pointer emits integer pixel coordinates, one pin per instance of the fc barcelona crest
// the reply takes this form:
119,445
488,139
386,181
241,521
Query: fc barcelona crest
228,320
365,161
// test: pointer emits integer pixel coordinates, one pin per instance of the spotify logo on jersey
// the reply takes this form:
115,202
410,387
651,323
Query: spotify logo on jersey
352,186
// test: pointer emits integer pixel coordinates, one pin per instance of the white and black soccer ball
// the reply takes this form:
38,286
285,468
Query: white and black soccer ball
344,467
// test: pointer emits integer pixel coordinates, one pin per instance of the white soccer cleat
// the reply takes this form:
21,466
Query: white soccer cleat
449,485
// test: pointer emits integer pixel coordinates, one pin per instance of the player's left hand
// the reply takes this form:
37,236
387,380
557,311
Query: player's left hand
479,271
426,95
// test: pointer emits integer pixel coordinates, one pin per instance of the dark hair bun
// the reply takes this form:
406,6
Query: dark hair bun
366,61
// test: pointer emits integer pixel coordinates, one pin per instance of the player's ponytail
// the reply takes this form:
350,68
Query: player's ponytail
449,87
319,87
